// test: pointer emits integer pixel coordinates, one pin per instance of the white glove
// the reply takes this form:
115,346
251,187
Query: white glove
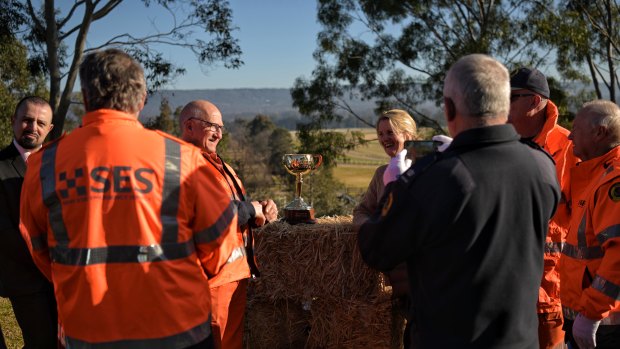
584,332
445,142
398,164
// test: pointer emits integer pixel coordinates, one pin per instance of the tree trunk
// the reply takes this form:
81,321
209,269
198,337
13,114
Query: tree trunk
64,100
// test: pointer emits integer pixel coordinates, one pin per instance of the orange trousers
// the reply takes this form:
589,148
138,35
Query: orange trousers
228,311
550,333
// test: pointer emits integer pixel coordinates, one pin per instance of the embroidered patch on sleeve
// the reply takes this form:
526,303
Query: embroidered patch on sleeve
387,205
614,192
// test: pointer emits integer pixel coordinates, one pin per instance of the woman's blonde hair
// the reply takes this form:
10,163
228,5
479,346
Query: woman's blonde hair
400,121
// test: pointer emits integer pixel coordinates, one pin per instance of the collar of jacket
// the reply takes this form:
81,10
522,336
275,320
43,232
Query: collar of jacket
215,160
485,135
550,122
105,115
601,162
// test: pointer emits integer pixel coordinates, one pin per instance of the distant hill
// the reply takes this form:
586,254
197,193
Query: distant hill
243,103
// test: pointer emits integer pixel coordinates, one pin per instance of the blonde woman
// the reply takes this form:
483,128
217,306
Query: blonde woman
394,127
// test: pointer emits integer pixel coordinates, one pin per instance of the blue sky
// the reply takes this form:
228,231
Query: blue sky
277,38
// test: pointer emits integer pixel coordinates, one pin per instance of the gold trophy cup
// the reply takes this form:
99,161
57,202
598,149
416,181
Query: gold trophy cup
298,211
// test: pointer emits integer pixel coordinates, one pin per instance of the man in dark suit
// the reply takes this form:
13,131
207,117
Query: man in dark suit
30,293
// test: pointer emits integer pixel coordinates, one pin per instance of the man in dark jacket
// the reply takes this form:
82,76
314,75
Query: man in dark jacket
471,225
31,295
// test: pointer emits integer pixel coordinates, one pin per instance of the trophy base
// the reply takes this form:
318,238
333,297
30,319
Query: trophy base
305,216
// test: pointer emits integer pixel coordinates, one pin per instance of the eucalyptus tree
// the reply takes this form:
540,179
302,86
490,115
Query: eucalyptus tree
58,37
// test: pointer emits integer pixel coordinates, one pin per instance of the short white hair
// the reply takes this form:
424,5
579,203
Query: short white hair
479,86
603,113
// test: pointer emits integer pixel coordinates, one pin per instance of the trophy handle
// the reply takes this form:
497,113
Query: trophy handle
318,160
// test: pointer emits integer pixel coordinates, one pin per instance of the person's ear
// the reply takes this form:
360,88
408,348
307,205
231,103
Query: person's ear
449,108
142,103
187,124
600,133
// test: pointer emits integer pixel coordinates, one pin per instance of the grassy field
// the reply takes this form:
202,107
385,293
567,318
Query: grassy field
360,164
357,170
12,333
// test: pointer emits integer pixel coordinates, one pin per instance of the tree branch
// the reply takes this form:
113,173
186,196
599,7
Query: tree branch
109,6
33,16
70,14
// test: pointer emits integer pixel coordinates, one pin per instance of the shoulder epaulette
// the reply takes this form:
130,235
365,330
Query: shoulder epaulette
530,143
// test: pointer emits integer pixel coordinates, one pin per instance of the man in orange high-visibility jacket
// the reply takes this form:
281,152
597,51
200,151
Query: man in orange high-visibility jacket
128,223
201,124
535,117
590,264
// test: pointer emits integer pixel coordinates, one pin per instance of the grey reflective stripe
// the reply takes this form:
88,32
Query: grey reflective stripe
50,198
581,233
170,192
121,254
608,233
178,341
553,247
236,254
573,251
611,319
215,231
606,287
38,242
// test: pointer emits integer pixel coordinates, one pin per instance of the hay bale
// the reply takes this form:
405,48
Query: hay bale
315,291
307,261
276,324
354,324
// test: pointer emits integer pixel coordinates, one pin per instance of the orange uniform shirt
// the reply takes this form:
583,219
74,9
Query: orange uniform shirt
128,223
590,266
553,138
236,267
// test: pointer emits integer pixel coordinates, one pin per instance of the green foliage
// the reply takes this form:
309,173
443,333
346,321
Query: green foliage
254,149
50,32
165,121
399,61
280,142
331,145
585,36
402,57
326,194
16,78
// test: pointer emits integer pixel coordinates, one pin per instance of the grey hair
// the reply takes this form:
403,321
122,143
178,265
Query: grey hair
603,113
112,79
479,86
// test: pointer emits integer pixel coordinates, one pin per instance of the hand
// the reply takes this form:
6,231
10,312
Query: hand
584,332
259,217
398,164
270,210
445,142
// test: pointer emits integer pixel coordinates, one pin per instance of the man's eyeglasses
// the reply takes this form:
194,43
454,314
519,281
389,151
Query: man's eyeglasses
515,96
210,125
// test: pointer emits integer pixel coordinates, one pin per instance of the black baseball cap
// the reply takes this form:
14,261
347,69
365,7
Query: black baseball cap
530,79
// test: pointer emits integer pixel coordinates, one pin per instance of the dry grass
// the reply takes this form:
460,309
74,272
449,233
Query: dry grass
12,333
316,292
